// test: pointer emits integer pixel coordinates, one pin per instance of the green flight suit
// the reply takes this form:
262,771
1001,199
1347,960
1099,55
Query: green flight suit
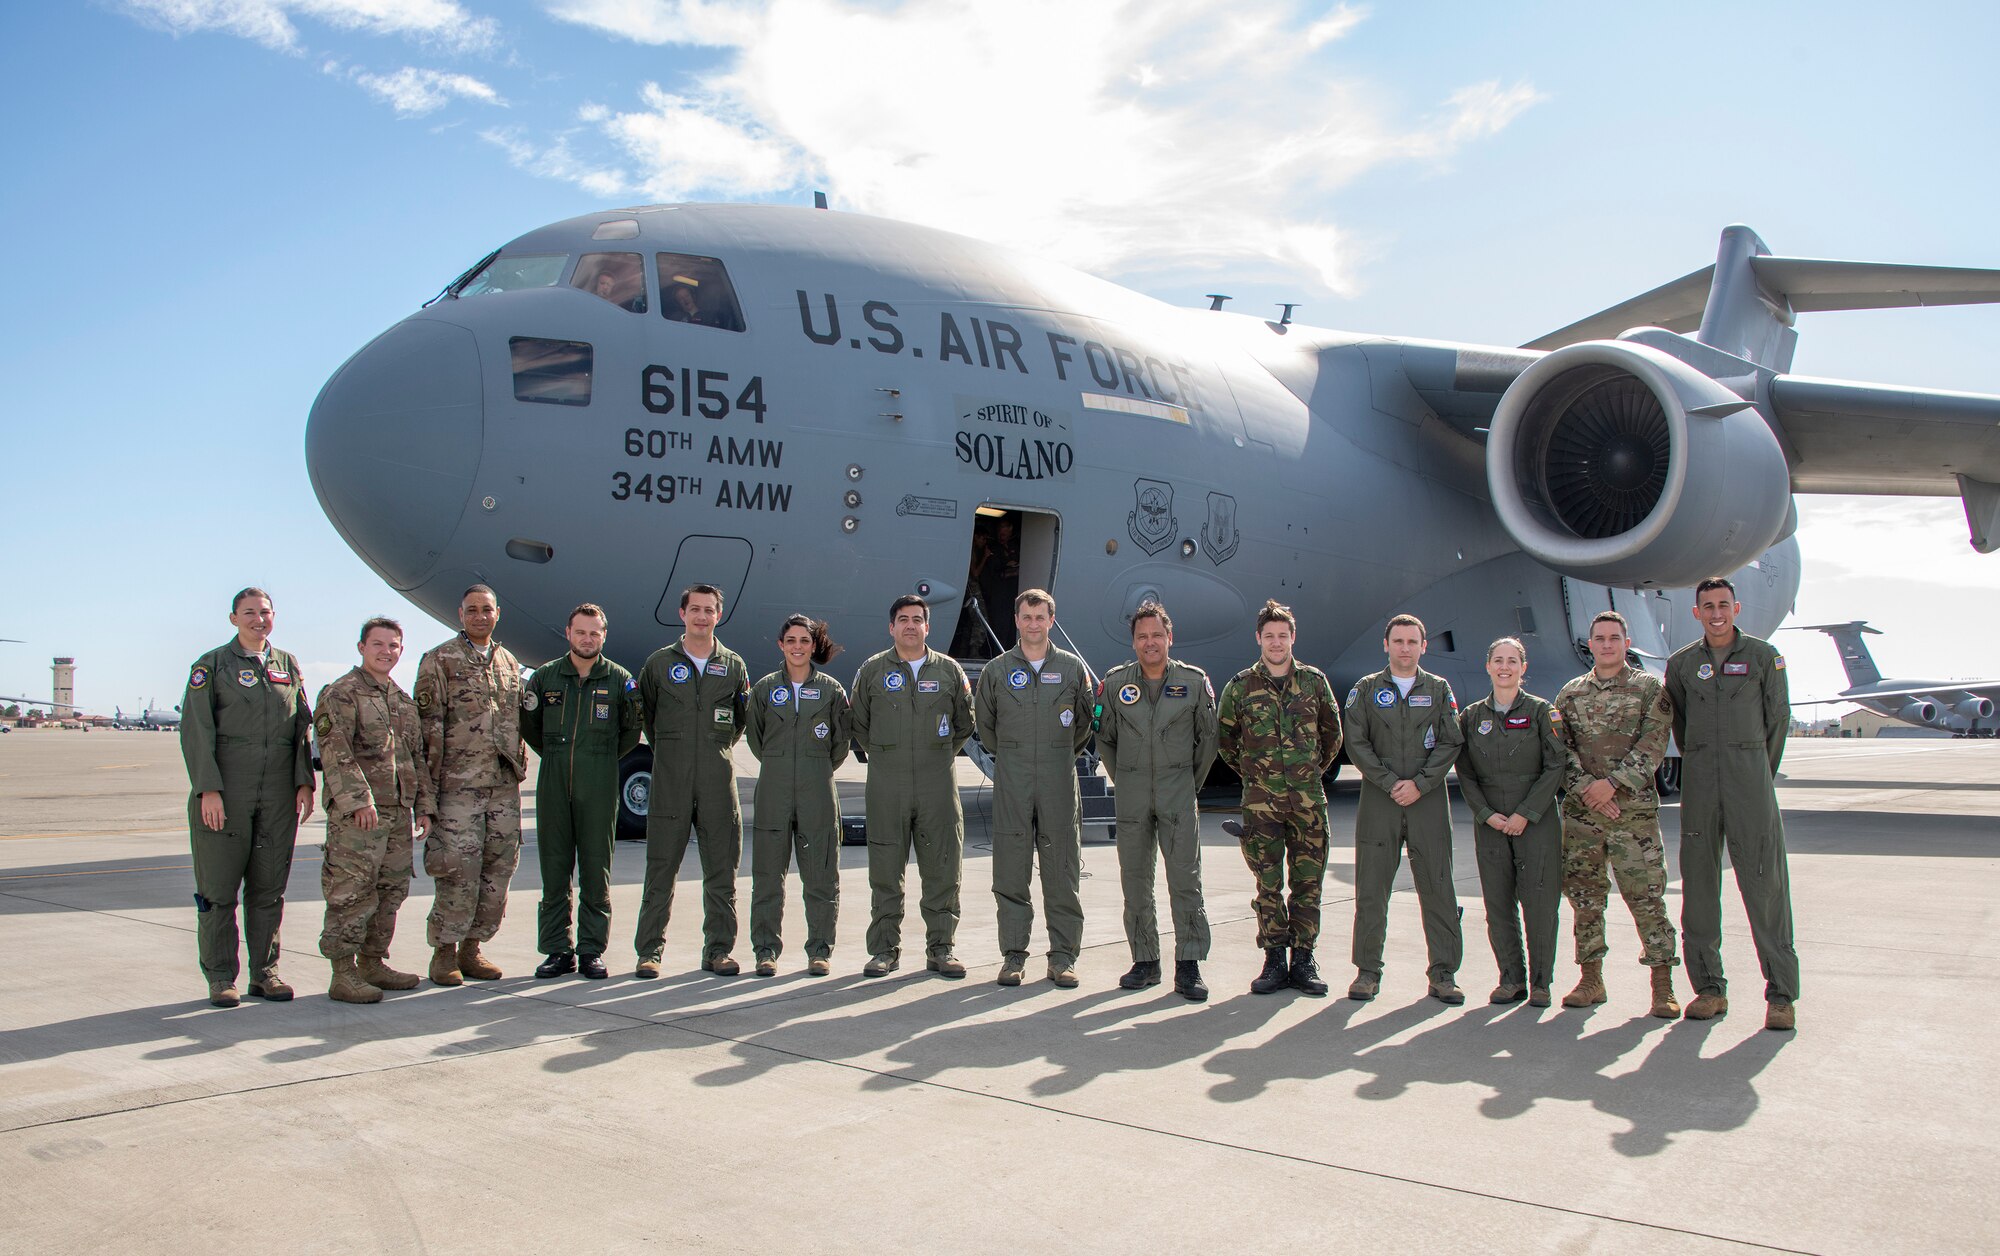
1393,738
1513,764
693,718
1732,709
1157,748
800,734
912,727
246,730
1034,721
582,727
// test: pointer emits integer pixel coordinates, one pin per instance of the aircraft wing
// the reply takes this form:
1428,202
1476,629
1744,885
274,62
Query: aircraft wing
1939,692
1806,284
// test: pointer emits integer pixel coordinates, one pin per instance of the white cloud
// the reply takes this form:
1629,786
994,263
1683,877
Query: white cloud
443,23
1111,135
413,92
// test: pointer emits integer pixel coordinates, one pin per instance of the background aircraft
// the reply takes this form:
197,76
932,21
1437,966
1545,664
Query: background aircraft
820,411
1962,707
150,716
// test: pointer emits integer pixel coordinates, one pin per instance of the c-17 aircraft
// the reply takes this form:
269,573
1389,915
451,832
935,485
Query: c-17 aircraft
1963,707
811,409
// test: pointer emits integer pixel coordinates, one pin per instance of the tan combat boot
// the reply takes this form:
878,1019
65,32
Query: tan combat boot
1780,1016
1590,988
1665,1005
349,986
375,971
1707,1007
444,966
475,966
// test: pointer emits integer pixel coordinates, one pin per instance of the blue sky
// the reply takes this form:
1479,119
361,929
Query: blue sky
211,203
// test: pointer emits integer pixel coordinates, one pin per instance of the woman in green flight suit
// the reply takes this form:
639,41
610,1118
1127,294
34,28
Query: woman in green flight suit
1509,771
799,730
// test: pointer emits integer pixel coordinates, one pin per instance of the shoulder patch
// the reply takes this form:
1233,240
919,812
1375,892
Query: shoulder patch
323,726
197,677
1778,663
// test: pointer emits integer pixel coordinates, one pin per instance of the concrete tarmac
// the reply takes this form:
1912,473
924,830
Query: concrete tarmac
795,1114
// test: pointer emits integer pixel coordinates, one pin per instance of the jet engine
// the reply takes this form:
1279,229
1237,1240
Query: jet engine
1618,464
1918,712
1974,708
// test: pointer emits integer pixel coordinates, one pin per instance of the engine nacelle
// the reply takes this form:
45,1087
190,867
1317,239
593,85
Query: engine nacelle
1974,708
1918,712
1618,464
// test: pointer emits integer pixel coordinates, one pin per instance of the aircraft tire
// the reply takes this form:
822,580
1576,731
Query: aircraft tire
1668,776
635,791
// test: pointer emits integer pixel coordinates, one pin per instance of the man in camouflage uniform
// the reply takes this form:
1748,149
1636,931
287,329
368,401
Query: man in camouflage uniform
1403,735
1615,721
912,715
1032,713
369,745
1156,733
1732,710
246,734
582,716
1279,729
695,693
469,704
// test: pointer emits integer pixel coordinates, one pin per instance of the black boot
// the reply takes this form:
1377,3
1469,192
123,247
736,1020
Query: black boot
1188,983
1144,972
1305,973
556,965
1276,975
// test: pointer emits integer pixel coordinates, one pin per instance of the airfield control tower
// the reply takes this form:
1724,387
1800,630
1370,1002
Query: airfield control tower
65,694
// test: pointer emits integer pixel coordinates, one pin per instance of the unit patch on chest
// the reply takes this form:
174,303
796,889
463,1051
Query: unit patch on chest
247,677
892,681
602,711
1128,694
820,730
1017,679
1485,727
552,698
679,673
1704,672
780,696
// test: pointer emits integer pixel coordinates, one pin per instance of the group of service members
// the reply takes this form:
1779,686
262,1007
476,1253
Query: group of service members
1562,796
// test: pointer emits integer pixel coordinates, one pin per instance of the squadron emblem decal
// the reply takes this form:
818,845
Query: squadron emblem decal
1219,537
1151,522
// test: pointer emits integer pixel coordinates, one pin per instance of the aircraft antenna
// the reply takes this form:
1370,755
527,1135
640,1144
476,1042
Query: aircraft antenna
1215,300
1285,319
819,200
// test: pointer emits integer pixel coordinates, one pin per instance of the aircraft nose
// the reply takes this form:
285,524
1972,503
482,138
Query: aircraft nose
393,442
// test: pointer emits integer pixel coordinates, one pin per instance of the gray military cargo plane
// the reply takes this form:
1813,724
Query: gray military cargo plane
1963,707
819,411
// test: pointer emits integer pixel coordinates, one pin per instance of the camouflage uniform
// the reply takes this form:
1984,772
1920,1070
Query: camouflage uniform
1512,764
800,734
912,729
692,721
582,727
1731,713
1396,737
1158,750
246,731
1035,721
1616,730
370,744
470,707
1281,736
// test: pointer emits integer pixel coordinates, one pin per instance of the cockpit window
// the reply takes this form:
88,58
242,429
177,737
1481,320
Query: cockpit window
552,371
617,229
510,274
619,278
697,290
